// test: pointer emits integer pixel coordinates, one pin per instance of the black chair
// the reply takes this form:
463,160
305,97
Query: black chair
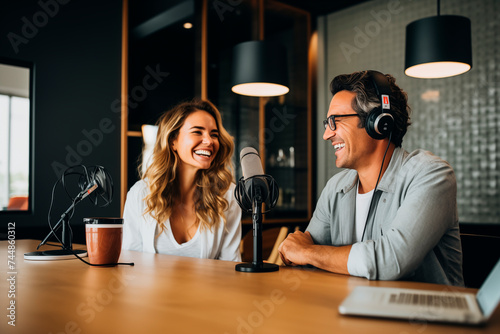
480,254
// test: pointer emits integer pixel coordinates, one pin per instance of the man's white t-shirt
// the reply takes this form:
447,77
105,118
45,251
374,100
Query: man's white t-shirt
363,202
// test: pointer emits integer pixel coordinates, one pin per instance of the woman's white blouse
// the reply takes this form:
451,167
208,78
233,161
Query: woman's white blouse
139,229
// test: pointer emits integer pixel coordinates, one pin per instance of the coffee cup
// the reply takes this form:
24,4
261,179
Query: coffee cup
104,239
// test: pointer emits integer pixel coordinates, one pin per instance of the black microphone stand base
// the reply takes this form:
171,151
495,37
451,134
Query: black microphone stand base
257,267
55,254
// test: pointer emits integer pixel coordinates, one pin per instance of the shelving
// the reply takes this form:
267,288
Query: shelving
280,128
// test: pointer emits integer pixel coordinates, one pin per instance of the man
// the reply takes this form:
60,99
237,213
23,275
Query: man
391,214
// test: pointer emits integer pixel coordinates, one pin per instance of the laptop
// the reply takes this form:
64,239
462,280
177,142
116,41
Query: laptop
426,305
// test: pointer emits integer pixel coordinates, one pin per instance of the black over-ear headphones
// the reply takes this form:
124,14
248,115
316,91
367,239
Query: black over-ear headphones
380,122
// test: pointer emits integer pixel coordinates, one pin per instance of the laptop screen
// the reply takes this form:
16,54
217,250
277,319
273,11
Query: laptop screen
488,296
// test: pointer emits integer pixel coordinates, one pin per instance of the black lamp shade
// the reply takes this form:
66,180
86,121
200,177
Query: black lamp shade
259,69
438,46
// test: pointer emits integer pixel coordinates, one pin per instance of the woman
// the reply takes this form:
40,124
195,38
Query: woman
184,203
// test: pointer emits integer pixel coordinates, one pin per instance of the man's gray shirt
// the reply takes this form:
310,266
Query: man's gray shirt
412,228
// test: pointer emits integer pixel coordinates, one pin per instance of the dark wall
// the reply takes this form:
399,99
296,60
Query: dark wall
75,47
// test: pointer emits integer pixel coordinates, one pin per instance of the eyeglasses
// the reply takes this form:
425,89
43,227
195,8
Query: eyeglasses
330,121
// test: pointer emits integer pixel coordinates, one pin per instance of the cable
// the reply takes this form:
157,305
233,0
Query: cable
50,209
62,180
104,264
376,185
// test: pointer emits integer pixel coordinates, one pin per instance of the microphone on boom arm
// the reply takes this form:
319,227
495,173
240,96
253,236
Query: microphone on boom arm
252,190
95,183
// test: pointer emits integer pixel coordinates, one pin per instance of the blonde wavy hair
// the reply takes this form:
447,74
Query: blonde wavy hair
211,183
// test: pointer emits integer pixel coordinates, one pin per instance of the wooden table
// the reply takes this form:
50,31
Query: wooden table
170,294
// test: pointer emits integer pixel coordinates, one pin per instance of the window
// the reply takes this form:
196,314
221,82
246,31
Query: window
14,150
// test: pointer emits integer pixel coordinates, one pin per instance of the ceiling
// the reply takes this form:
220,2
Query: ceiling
322,7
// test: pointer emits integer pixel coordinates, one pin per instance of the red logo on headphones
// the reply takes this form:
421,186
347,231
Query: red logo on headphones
385,102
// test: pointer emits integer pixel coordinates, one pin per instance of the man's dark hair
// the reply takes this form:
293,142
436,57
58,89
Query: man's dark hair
367,99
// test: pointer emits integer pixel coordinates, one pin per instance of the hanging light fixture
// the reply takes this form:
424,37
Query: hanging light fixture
259,69
438,46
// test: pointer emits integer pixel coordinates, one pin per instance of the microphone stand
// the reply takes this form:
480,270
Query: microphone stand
257,265
67,250
66,237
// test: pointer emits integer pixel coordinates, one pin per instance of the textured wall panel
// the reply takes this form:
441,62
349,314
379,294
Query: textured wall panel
456,118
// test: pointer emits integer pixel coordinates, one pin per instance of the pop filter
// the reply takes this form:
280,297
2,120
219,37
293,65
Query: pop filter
97,177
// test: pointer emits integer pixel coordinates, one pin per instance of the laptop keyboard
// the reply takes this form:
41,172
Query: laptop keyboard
449,302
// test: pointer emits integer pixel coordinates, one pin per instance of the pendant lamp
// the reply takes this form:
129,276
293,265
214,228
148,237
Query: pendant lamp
259,69
438,46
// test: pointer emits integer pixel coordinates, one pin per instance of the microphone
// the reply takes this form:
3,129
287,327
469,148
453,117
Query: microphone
253,189
253,174
254,185
84,193
251,164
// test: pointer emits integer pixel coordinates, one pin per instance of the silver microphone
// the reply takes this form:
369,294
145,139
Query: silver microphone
255,182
